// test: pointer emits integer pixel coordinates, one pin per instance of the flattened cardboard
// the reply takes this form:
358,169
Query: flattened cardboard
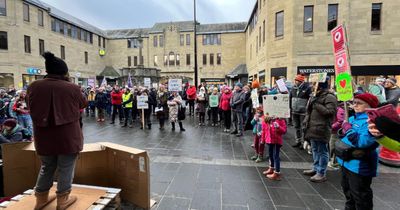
102,164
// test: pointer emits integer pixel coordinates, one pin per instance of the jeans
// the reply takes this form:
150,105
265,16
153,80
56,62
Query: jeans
320,156
25,121
298,121
258,146
128,116
100,113
214,115
357,190
227,119
191,106
65,165
274,159
238,121
115,109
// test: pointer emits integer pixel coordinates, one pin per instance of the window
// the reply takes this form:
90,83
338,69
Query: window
69,29
308,19
3,40
161,41
99,41
61,27
74,32
332,16
264,31
219,58
79,33
165,60
26,12
259,36
171,58
129,61
3,8
279,24
204,59
41,46
155,39
155,60
133,43
53,24
178,61
212,39
104,43
182,39
187,39
135,61
212,59
86,57
62,52
188,59
376,17
27,42
40,18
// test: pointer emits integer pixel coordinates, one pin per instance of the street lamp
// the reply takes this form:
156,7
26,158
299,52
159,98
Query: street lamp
195,45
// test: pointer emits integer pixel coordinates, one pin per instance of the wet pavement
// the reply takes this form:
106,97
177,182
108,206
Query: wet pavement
205,168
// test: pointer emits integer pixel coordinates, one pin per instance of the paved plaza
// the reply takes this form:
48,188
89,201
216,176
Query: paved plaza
205,168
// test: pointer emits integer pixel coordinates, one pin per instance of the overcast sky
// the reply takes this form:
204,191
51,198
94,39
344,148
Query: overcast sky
119,14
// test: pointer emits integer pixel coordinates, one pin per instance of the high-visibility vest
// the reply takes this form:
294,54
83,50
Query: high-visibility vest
126,97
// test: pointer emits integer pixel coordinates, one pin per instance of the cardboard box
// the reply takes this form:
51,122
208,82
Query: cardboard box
100,164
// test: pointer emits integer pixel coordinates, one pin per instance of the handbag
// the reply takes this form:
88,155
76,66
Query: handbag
343,150
181,113
158,109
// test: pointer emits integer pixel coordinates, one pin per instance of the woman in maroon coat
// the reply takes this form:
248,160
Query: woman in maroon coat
54,104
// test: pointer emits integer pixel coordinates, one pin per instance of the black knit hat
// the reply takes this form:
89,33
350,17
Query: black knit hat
55,65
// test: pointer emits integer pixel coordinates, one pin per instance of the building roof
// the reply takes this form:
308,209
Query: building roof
181,25
239,70
127,33
109,71
221,28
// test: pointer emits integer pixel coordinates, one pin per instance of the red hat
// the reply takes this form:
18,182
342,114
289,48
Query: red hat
300,78
10,123
370,99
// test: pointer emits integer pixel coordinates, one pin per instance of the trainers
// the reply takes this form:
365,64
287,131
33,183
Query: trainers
269,171
259,159
333,165
305,145
309,149
276,176
318,178
228,130
254,157
310,172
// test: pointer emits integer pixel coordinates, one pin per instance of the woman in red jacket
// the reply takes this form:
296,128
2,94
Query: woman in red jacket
191,97
224,105
116,101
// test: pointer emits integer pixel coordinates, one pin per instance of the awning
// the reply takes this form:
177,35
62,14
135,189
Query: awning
239,70
109,71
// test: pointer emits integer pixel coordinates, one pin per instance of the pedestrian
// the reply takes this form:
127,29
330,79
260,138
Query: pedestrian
263,92
201,104
257,123
147,112
191,96
174,103
318,121
224,105
272,131
91,109
213,103
247,108
162,108
23,113
378,89
55,105
298,98
11,132
153,97
108,108
127,104
236,103
116,101
358,155
336,126
101,104
392,91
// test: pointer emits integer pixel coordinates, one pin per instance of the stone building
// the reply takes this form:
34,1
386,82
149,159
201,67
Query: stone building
289,37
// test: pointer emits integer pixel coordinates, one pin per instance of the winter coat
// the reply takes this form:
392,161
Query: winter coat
202,103
272,135
320,114
237,101
101,100
298,98
260,96
162,99
116,98
337,123
359,137
55,105
173,106
20,107
392,96
15,135
378,91
257,125
191,93
224,102
247,101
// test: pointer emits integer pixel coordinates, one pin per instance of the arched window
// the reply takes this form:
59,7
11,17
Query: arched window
171,59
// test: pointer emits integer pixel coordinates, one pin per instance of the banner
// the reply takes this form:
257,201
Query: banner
276,105
142,102
130,81
175,85
344,87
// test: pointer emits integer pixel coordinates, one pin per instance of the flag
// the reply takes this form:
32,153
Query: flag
129,81
104,82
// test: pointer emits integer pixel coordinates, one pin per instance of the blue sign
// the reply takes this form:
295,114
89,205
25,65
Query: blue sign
33,70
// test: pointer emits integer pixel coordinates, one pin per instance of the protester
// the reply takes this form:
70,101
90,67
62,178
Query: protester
247,108
259,144
299,96
147,112
162,108
127,105
319,118
23,115
135,111
153,98
378,89
201,104
360,160
116,101
55,105
101,104
263,92
336,125
191,96
12,132
272,131
91,108
214,106
392,91
224,105
174,101
236,102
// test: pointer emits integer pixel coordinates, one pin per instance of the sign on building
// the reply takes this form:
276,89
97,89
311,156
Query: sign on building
142,102
276,105
175,85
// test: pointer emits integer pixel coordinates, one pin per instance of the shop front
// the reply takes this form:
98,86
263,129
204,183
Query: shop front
213,81
32,74
365,75
261,77
6,80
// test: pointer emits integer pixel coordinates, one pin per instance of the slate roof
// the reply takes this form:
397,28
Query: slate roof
127,33
181,25
221,28
240,69
109,71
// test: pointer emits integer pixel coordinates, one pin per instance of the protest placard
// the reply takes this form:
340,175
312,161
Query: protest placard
175,85
318,77
281,85
276,105
142,102
147,82
213,100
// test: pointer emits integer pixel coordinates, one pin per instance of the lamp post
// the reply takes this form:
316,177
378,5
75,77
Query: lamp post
195,45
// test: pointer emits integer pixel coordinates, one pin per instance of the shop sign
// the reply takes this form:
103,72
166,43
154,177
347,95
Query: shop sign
213,81
315,69
78,74
33,70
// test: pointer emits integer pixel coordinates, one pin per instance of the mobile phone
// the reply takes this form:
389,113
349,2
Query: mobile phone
384,111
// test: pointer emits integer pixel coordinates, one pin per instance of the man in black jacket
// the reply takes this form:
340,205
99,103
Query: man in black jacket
299,96
236,103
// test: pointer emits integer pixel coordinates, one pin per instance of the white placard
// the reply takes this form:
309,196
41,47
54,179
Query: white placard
142,102
155,85
254,98
175,85
276,105
147,82
281,85
318,77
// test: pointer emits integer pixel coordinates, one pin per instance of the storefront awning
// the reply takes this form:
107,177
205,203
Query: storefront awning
109,71
240,70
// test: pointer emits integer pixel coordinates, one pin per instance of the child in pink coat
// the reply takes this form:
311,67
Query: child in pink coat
272,131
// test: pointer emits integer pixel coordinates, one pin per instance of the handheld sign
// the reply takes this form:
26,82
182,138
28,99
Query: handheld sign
147,82
175,85
281,85
318,77
276,105
142,102
344,87
339,39
254,98
213,100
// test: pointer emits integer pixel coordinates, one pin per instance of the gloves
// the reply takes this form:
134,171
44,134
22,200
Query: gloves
388,127
346,126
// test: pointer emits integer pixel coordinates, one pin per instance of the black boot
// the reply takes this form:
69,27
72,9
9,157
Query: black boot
181,126
173,126
149,126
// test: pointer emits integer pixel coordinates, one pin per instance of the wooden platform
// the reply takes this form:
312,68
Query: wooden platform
89,197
